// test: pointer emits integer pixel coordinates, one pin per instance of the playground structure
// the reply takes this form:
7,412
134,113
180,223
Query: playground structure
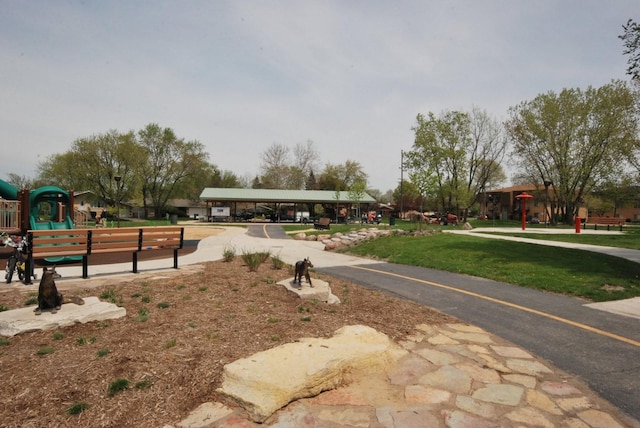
47,207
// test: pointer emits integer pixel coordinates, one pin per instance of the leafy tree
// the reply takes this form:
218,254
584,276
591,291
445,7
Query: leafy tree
631,41
169,163
224,179
439,149
615,193
342,176
357,191
311,182
576,139
93,162
406,195
256,183
455,156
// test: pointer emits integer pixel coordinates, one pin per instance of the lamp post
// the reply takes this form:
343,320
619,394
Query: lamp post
523,199
547,183
117,178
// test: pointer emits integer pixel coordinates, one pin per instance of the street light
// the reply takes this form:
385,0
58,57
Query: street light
118,178
547,183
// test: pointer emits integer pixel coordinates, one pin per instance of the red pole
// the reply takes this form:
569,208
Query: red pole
524,213
578,224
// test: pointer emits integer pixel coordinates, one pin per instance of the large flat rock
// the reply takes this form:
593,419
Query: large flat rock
269,380
320,290
23,320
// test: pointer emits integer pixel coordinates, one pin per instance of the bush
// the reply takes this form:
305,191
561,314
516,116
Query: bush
117,386
229,253
254,260
277,262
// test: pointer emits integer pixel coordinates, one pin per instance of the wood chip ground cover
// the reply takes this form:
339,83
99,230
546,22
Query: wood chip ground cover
181,328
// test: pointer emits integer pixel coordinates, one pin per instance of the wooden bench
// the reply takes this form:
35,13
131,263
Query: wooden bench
324,223
605,221
82,243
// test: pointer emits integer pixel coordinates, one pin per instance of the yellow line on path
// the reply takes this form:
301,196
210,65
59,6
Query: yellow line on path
264,229
512,305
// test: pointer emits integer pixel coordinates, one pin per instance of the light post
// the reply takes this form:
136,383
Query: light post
547,183
523,200
117,178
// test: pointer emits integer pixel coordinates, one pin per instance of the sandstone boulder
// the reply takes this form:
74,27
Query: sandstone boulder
269,380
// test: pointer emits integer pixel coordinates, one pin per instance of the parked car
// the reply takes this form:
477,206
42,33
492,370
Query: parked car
245,216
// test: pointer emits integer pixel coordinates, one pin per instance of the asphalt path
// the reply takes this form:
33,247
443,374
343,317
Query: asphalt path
601,348
269,231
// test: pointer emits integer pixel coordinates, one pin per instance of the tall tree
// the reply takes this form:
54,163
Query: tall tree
93,162
576,139
280,171
631,42
356,193
441,147
170,162
486,154
342,176
274,166
407,195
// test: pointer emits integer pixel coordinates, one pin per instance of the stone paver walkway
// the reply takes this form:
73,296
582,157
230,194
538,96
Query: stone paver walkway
454,376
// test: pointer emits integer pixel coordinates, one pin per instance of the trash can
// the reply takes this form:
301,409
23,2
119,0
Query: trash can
174,219
392,220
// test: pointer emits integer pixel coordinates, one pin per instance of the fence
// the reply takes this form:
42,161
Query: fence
9,214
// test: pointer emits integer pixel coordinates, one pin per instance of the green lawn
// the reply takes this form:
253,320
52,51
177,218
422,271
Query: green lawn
567,271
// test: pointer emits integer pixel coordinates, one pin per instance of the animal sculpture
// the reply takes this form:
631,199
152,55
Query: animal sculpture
49,298
302,268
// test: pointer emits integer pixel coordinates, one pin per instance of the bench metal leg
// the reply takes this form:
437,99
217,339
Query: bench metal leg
135,262
85,267
175,259
28,269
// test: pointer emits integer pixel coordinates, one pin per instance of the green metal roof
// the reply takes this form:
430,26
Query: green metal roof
281,196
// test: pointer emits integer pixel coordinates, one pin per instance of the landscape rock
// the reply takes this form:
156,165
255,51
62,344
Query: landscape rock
320,290
24,320
269,380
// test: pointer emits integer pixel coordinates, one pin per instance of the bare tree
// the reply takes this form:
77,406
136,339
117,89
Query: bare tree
275,166
631,41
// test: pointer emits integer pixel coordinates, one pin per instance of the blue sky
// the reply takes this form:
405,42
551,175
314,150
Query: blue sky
238,76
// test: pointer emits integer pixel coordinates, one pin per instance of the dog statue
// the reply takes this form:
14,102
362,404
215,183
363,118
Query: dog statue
49,298
302,268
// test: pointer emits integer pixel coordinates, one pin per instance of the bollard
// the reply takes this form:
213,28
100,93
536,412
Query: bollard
578,224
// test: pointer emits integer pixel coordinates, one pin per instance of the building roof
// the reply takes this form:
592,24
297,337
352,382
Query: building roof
215,194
